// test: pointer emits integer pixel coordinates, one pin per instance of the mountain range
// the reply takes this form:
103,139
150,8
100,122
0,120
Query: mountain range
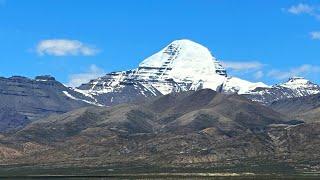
178,108
181,66
193,129
184,65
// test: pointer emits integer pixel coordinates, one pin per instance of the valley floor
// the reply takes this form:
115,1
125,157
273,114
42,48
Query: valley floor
262,171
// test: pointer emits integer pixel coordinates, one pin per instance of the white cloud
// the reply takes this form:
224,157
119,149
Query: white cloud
251,69
242,66
64,47
311,10
305,9
315,35
301,8
303,70
258,75
93,72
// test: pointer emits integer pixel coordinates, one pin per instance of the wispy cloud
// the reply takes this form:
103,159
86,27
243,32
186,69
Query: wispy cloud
93,72
256,70
242,66
311,10
301,8
258,74
315,35
303,70
64,47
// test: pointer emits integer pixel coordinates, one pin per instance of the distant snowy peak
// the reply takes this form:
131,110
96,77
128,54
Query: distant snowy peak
294,87
298,82
301,86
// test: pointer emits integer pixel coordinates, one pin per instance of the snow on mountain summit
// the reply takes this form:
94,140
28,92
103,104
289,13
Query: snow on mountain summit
183,53
301,86
293,88
297,82
184,61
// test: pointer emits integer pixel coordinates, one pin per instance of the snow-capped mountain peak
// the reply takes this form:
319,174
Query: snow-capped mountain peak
183,60
180,50
293,88
297,82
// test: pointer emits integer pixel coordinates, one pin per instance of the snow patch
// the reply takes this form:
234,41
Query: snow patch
74,98
240,86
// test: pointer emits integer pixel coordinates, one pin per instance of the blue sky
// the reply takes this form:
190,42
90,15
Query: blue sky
265,41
